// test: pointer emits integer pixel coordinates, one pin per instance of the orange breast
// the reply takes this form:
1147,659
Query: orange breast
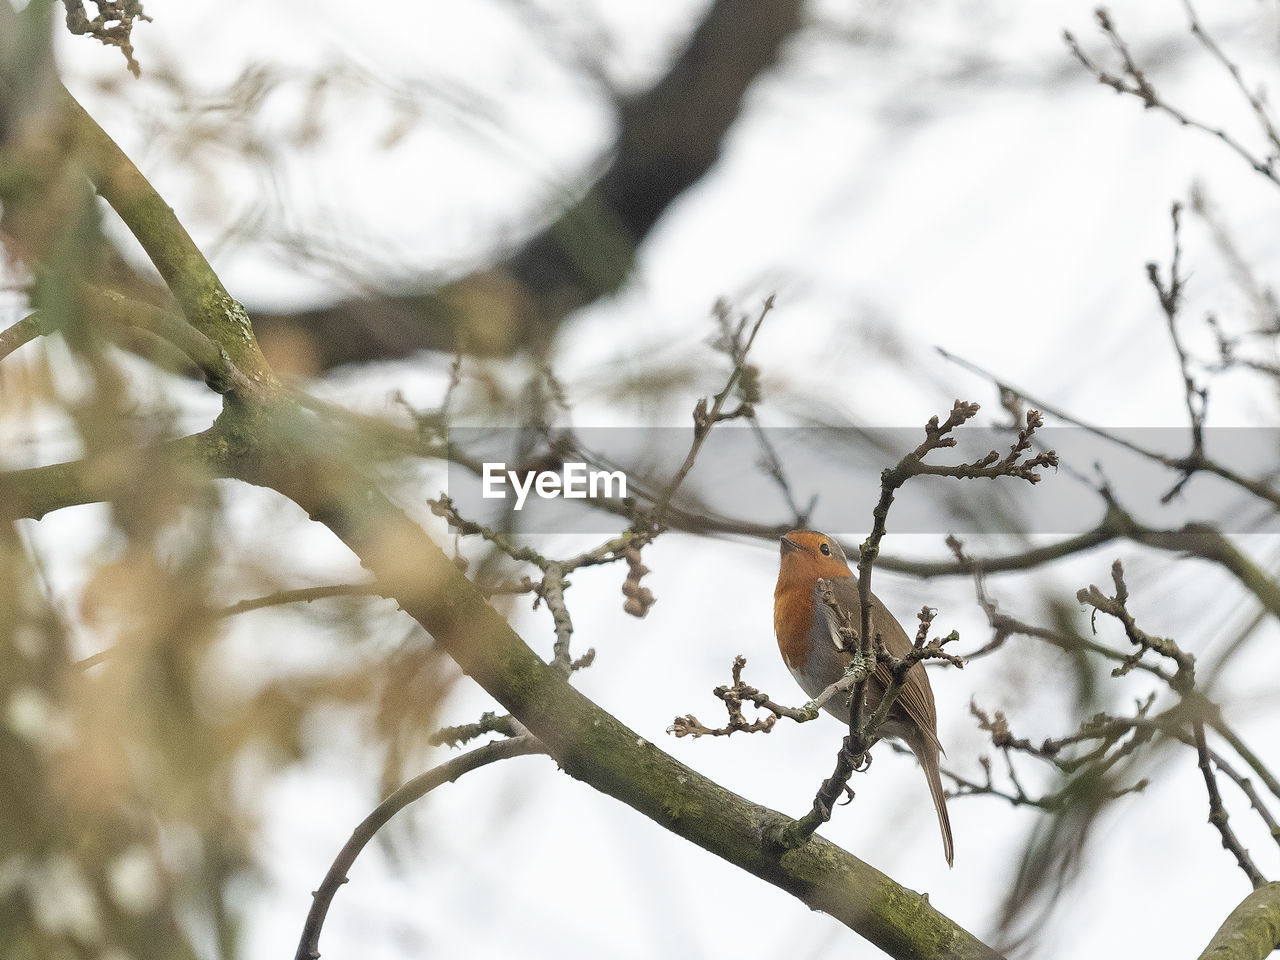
792,617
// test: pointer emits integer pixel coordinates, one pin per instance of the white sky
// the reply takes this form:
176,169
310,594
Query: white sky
1006,216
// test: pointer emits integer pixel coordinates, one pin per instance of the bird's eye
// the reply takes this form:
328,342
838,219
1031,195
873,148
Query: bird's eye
825,548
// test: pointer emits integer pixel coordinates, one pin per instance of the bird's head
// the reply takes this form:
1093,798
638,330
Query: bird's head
810,555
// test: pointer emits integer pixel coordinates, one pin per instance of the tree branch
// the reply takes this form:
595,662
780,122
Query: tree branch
668,138
1251,931
36,491
200,294
415,789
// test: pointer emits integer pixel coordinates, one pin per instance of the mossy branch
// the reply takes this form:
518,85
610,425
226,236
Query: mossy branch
1251,931
194,284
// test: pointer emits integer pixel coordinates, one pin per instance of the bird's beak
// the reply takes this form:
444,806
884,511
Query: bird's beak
788,545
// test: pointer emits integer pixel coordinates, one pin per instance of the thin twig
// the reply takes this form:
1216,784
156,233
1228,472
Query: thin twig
1255,102
30,327
552,591
1135,83
1004,626
1247,788
1189,463
415,789
704,419
1248,756
734,697
1115,606
1218,813
300,595
489,722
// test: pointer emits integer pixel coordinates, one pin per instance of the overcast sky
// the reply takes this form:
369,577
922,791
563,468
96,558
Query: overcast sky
909,176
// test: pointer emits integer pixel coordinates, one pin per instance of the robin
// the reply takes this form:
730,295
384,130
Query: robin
815,654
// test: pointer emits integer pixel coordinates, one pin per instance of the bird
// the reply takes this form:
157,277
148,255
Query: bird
814,652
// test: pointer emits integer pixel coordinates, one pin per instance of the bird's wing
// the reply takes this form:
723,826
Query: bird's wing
916,697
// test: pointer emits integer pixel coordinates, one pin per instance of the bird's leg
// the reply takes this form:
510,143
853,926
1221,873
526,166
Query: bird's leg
857,761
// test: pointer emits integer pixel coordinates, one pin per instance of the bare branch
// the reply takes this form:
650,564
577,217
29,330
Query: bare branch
1133,82
1251,931
30,327
1184,679
1218,813
734,697
415,789
737,347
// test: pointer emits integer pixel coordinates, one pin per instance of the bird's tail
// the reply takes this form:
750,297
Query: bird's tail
929,760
